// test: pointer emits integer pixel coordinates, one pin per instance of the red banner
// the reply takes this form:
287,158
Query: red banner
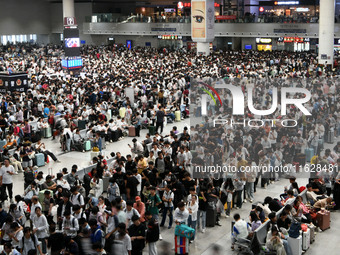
224,17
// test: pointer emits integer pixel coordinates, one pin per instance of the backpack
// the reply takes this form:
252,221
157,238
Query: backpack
23,241
184,231
28,177
103,236
294,230
77,198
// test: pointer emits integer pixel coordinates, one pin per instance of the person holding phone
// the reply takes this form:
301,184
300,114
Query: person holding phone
6,180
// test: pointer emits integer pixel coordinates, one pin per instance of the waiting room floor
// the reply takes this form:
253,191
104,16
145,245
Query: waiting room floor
326,242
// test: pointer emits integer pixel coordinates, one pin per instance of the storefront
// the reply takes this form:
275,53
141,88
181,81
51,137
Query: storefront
295,44
289,11
192,46
264,44
170,41
337,44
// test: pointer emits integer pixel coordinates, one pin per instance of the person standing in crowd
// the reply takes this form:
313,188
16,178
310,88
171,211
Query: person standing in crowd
122,241
137,234
6,181
40,228
160,119
168,197
152,233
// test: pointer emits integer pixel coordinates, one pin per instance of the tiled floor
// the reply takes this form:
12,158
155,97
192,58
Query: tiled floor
326,242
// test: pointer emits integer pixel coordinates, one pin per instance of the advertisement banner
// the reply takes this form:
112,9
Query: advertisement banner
202,20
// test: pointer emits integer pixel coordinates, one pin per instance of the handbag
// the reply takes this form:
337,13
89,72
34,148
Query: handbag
32,155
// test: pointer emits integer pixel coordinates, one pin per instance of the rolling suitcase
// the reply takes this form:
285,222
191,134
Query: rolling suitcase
295,245
81,124
132,131
301,159
320,144
40,158
47,132
122,111
323,219
181,245
211,218
309,154
306,240
178,115
198,112
330,136
152,130
312,233
2,144
114,136
87,145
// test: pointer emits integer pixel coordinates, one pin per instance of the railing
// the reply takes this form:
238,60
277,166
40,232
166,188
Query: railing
107,18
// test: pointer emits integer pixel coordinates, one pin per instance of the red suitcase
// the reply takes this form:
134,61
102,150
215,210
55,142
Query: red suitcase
132,131
323,219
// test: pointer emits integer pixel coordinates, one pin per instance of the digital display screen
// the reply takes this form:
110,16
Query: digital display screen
72,63
248,47
72,42
71,33
129,44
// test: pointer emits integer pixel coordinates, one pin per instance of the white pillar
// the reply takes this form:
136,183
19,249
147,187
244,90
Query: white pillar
203,49
68,8
326,32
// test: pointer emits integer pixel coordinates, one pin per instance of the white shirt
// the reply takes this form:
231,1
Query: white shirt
18,236
129,215
6,177
168,195
28,244
72,224
194,209
241,229
139,178
77,199
41,224
123,245
33,206
181,216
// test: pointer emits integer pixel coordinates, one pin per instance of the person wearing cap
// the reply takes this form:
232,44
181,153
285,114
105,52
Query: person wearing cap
140,207
137,234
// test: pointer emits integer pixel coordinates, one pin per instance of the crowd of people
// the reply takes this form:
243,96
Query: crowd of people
156,180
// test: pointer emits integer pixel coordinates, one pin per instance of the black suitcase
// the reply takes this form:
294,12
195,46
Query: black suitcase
211,218
115,136
81,124
330,136
300,158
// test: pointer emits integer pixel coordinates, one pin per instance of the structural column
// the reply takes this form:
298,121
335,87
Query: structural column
203,49
203,24
326,32
68,8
